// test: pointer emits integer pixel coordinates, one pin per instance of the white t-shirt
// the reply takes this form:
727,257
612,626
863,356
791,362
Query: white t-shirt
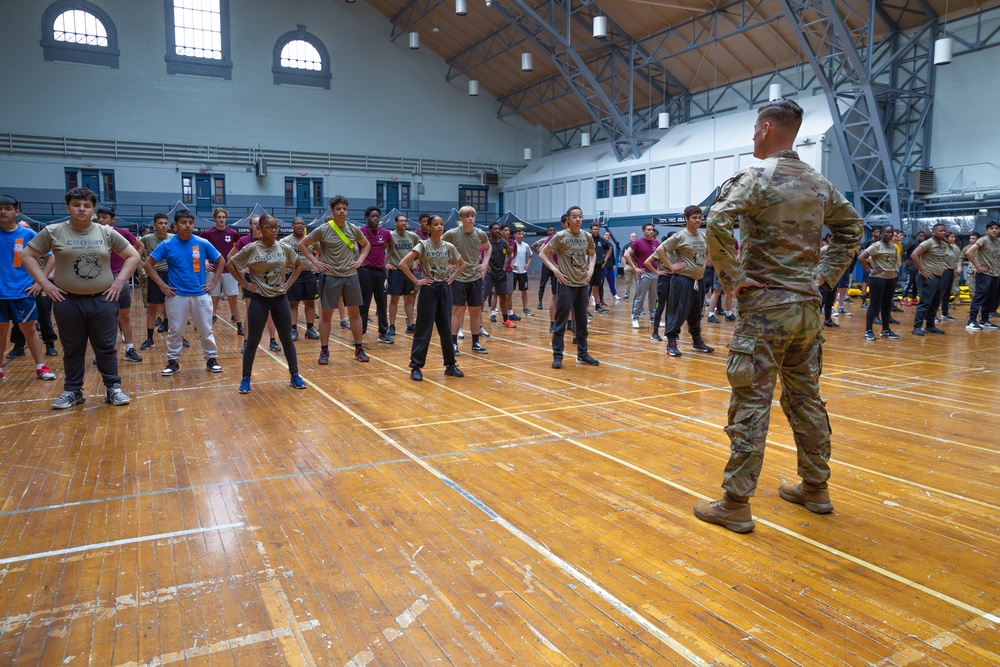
521,258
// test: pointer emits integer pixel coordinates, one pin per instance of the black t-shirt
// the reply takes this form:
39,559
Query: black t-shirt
601,249
498,259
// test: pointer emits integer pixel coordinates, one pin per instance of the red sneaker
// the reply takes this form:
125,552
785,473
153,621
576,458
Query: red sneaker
44,373
509,324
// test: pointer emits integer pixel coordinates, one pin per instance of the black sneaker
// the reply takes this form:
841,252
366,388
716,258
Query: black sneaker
163,328
934,330
878,321
239,328
273,346
311,333
541,307
173,367
988,325
345,324
392,330
557,362
587,359
452,371
132,355
947,318
16,351
385,338
888,333
699,346
212,366
830,323
324,358
917,331
243,347
713,319
730,317
295,335
870,335
416,375
513,317
411,328
672,349
147,344
185,343
476,347
655,336
50,350
359,354
215,318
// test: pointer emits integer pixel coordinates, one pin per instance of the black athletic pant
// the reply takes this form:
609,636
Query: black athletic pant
947,278
570,299
258,308
912,287
546,277
82,319
880,292
373,285
433,310
44,306
829,298
662,296
684,305
930,300
986,299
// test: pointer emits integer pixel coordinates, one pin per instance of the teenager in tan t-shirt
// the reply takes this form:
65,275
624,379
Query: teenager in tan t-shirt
882,262
84,293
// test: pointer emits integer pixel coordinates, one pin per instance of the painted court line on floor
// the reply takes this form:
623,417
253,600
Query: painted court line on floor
117,543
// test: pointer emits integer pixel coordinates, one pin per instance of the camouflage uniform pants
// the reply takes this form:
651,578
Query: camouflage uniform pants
783,342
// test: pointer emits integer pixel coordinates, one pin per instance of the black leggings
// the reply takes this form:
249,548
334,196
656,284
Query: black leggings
829,297
257,311
880,292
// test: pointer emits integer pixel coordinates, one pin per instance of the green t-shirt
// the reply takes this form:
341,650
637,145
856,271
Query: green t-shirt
884,258
149,243
935,257
82,259
988,255
689,248
436,257
334,251
266,265
573,251
468,247
402,244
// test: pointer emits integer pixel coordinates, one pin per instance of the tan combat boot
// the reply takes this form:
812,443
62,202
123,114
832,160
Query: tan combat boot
814,497
730,512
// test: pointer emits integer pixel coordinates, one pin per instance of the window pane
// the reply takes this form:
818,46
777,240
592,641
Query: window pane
79,27
198,28
299,54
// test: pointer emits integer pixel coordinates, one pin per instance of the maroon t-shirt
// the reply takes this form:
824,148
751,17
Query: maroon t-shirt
378,241
244,242
223,240
642,249
117,262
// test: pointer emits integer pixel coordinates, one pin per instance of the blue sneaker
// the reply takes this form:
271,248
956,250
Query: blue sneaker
245,386
296,382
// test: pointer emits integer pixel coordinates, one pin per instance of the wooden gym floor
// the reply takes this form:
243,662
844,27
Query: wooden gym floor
518,516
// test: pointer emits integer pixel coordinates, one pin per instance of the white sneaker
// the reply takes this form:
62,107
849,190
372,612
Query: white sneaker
617,298
635,323
461,333
483,332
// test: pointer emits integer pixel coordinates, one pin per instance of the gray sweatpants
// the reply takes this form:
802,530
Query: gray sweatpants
198,309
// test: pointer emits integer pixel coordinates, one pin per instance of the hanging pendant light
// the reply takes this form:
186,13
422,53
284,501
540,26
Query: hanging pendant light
460,7
527,153
414,40
585,139
600,27
663,122
774,92
526,62
942,50
473,87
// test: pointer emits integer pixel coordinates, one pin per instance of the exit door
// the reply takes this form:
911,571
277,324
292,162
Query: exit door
203,193
391,196
302,194
91,179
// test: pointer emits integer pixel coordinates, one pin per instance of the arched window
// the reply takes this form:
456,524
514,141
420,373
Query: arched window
301,59
81,32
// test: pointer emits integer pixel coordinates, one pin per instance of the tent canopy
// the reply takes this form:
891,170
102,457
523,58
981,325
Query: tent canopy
243,224
199,222
517,223
389,219
34,224
451,220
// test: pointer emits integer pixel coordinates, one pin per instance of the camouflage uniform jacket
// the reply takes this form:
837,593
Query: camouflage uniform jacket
782,204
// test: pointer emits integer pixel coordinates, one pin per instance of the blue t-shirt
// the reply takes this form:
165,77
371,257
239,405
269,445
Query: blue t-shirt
14,279
187,263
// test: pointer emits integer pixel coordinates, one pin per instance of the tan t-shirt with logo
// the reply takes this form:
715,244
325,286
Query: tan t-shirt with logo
468,247
689,248
266,265
402,244
82,259
292,242
573,251
334,251
935,257
885,259
436,257
149,243
988,255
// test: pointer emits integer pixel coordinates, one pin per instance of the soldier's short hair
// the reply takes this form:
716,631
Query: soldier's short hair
784,113
691,210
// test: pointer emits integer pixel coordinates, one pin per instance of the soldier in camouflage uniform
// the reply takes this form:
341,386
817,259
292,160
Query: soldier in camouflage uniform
782,204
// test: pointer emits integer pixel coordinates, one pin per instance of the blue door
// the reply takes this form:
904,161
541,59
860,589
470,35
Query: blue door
302,203
391,196
91,178
203,193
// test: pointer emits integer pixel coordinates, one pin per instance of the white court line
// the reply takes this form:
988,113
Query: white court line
116,543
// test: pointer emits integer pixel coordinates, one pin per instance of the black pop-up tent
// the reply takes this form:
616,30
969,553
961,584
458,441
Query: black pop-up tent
199,222
243,224
517,223
451,220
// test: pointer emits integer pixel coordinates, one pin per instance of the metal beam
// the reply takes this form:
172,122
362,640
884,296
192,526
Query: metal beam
411,14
